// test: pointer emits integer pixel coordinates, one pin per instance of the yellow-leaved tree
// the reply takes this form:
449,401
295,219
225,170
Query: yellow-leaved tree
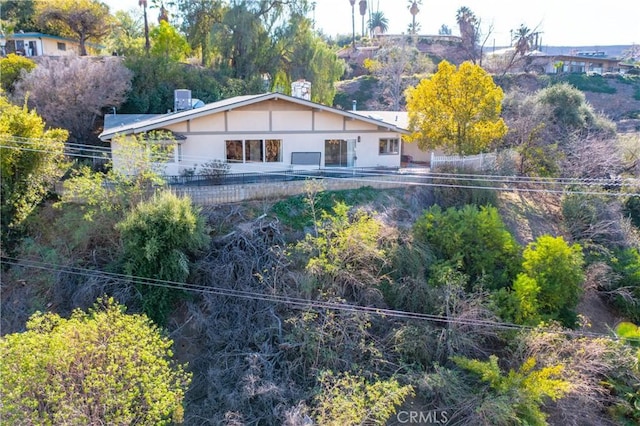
456,110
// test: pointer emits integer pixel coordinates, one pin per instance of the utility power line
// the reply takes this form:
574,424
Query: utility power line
293,302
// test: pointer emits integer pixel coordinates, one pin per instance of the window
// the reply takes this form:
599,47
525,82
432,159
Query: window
254,151
389,146
273,151
62,46
234,151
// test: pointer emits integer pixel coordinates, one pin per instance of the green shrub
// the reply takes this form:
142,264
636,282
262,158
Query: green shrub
552,280
351,400
473,240
566,107
158,236
296,211
216,169
11,68
345,256
624,291
627,408
515,397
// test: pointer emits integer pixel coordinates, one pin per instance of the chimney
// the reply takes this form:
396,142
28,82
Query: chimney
301,89
354,105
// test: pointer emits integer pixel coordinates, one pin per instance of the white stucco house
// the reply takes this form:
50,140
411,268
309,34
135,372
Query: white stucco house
269,132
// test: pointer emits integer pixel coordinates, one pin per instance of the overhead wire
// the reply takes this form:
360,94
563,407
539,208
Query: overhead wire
294,302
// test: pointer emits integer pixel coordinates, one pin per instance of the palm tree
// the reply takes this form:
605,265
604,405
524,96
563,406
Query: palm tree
353,23
147,45
414,10
522,40
469,30
467,22
363,12
379,21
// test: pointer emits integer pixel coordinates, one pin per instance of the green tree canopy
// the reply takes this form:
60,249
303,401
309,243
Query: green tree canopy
82,19
167,42
18,15
307,56
127,36
198,19
31,160
457,110
99,367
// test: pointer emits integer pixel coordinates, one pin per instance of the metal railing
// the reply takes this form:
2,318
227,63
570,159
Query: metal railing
272,176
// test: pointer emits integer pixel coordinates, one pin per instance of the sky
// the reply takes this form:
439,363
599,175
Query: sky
561,22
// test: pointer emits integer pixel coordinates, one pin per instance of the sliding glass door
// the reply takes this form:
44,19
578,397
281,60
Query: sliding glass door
339,152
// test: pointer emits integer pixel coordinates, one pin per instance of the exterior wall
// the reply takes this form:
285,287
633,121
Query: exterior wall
292,120
50,47
417,155
327,121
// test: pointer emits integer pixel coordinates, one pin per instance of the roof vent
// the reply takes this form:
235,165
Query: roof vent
181,100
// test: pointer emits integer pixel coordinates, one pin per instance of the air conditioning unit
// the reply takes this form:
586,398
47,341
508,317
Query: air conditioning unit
181,100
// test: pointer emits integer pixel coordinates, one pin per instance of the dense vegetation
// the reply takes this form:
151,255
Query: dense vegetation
465,298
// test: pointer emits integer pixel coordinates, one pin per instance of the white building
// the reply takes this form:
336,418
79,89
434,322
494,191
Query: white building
268,132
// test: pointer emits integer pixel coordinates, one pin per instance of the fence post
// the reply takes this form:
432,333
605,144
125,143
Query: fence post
432,160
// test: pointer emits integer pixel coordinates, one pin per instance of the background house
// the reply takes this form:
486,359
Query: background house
38,44
267,132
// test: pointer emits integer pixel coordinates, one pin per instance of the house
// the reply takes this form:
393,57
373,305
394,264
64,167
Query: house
596,62
38,44
266,132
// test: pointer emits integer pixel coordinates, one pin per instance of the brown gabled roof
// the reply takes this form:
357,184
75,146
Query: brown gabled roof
159,121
